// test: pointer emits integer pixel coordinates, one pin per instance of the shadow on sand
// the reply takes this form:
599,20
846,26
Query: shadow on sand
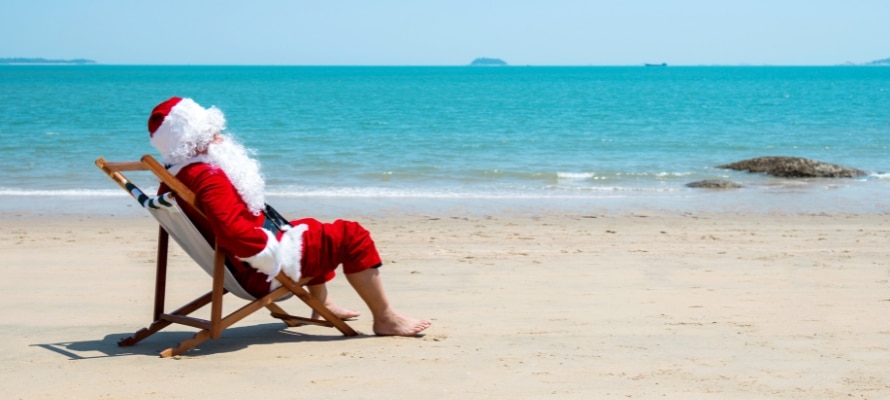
232,339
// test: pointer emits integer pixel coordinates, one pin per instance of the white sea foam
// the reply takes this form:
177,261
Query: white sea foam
548,192
575,175
63,192
880,175
666,174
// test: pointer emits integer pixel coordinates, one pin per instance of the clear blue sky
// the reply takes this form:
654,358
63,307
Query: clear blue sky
448,32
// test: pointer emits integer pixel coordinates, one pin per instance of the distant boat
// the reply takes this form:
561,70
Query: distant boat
656,65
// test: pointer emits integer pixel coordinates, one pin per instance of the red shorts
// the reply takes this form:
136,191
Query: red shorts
328,245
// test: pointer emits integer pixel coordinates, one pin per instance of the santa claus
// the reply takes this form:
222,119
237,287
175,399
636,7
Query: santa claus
230,191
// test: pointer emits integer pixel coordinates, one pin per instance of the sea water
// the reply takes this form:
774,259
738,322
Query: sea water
589,139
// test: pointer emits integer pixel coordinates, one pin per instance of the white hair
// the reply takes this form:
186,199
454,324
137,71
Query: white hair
243,171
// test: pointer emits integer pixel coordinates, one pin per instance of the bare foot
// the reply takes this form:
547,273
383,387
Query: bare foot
395,324
342,313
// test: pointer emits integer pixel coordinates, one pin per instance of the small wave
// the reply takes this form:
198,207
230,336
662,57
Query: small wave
880,175
575,176
366,193
672,174
616,189
546,192
62,192
661,174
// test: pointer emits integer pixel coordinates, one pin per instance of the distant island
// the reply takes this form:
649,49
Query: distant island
25,60
488,62
885,61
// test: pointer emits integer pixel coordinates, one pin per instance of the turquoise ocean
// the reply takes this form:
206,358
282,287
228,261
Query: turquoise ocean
424,139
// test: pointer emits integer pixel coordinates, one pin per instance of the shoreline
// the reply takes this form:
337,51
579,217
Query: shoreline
785,201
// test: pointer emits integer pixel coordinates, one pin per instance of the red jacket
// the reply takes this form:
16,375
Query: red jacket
238,231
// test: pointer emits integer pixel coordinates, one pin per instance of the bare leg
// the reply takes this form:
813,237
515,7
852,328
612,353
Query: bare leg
387,321
320,292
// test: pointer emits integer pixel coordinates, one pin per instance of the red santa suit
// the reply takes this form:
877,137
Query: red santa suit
182,130
308,249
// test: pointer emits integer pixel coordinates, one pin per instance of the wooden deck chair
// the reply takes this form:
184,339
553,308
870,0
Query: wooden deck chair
173,222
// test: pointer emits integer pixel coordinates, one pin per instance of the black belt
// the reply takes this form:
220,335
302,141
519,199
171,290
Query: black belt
274,222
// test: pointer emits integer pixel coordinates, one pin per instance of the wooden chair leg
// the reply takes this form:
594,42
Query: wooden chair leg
316,305
278,312
160,323
187,344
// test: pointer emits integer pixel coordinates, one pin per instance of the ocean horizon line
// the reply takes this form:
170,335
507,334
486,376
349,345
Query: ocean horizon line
637,65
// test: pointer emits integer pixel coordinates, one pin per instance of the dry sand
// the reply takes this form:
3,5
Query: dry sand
684,306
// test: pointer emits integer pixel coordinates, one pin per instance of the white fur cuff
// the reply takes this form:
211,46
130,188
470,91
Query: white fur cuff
266,261
291,252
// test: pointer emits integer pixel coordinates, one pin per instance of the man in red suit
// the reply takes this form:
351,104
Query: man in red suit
229,191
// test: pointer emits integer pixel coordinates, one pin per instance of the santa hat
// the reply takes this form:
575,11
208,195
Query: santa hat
179,128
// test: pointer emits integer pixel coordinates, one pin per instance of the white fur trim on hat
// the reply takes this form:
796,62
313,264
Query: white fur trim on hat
186,129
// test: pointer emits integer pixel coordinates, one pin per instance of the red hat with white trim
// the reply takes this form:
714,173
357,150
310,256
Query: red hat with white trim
179,127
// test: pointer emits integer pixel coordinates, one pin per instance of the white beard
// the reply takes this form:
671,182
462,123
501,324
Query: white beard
243,171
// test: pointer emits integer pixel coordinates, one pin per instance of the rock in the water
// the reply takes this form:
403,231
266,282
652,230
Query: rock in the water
794,167
714,184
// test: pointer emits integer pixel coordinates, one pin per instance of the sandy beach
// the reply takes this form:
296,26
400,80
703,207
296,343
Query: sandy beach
585,306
